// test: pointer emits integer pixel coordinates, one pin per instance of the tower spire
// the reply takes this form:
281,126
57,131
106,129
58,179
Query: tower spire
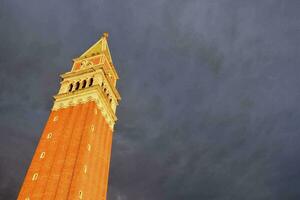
101,46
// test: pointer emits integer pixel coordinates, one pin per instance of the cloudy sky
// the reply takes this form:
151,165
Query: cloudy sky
210,88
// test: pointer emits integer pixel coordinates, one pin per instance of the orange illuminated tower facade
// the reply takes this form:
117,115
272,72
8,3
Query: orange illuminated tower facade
72,158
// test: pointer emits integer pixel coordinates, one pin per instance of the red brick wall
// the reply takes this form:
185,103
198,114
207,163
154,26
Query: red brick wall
76,156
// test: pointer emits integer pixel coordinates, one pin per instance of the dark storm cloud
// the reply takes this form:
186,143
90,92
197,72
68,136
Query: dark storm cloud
210,93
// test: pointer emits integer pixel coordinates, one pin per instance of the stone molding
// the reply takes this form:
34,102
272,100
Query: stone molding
83,96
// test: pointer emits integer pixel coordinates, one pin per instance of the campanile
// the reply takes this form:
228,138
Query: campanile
72,158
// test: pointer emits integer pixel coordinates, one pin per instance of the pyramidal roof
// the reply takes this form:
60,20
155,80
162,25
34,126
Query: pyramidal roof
99,47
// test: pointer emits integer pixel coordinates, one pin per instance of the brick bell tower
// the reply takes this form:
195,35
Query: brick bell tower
72,158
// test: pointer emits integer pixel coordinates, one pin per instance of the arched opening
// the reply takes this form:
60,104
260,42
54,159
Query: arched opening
85,169
70,87
42,155
83,83
80,194
91,82
35,176
49,135
77,86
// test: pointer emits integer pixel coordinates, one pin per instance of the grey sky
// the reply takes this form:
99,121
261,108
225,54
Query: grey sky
210,90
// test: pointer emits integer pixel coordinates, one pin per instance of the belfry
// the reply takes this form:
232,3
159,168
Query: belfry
72,158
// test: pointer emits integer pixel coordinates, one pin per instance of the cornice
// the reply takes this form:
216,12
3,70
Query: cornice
79,72
93,93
